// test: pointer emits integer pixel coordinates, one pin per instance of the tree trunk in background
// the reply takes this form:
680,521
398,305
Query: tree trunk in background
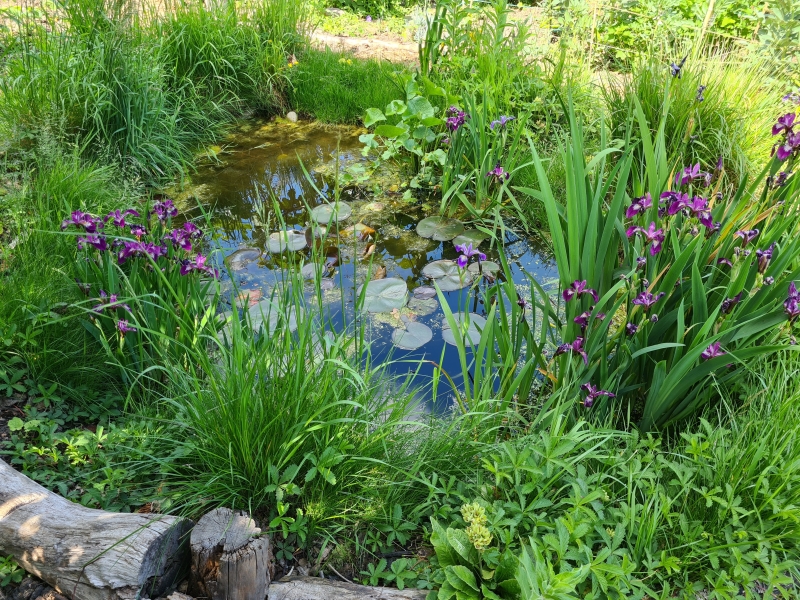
89,554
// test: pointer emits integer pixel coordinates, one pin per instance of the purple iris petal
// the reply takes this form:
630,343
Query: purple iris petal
89,223
747,235
639,205
764,256
728,304
501,122
577,289
784,124
98,242
118,217
713,351
455,118
631,329
164,209
575,347
724,261
124,327
594,393
498,173
647,299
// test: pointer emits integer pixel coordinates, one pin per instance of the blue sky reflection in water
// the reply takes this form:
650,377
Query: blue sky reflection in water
260,158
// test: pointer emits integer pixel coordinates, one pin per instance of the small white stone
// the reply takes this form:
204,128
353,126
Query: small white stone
291,116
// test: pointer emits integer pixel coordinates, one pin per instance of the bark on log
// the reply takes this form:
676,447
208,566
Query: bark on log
89,554
228,563
316,588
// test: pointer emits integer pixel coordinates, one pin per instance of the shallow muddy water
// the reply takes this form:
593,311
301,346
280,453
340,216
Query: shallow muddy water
261,164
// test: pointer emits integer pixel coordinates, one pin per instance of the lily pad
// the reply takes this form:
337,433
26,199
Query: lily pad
326,283
441,229
286,240
470,327
423,307
267,314
384,295
325,213
412,337
447,275
471,236
309,271
238,259
424,292
486,266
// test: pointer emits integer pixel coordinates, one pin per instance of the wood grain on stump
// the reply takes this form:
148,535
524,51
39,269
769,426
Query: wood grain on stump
89,554
228,562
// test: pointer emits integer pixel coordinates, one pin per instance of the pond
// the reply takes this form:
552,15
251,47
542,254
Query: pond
255,185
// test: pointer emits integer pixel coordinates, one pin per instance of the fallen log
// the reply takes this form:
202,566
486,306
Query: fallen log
316,588
89,554
229,561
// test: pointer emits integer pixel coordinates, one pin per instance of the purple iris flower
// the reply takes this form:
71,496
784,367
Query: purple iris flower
501,122
138,231
713,351
784,124
641,262
164,210
575,347
769,280
791,144
678,201
793,97
583,319
639,205
368,19
792,303
728,304
455,118
747,235
675,70
577,289
498,173
780,179
124,327
647,299
698,206
182,238
651,236
631,329
107,301
724,261
688,174
89,223
764,256
198,263
467,252
699,96
130,249
593,393
98,242
118,217
720,164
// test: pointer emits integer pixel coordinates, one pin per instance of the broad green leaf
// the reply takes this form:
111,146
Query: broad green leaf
373,116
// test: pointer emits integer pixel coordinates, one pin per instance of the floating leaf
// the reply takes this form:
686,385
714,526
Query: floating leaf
469,329
424,292
486,266
423,307
335,211
379,273
412,337
384,294
374,207
471,236
360,230
250,296
326,283
441,229
309,271
286,240
238,259
447,275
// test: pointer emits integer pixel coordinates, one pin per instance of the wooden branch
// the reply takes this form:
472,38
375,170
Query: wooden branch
89,554
316,588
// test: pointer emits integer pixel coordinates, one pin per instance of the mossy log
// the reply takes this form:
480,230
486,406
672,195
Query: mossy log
88,554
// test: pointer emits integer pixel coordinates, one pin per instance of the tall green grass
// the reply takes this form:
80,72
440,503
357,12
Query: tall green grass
336,88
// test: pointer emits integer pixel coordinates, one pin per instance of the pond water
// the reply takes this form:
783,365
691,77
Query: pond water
259,168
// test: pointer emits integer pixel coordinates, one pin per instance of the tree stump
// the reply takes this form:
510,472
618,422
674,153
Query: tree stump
228,563
89,554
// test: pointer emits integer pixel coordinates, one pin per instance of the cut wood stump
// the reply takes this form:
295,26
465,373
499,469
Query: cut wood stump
228,561
316,588
88,554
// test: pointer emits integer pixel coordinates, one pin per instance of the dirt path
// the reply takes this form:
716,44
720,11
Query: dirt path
380,49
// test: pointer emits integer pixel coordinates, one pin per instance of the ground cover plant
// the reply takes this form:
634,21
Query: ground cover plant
625,431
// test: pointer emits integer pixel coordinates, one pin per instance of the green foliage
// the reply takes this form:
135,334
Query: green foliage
657,370
10,571
335,88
